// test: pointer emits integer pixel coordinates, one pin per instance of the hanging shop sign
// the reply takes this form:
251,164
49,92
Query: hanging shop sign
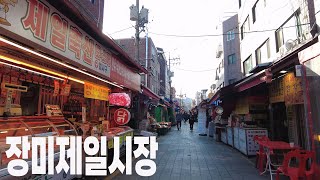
42,24
276,91
94,91
242,105
65,90
293,91
56,88
119,99
122,116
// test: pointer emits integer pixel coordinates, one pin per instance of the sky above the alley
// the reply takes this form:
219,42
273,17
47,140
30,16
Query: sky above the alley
177,17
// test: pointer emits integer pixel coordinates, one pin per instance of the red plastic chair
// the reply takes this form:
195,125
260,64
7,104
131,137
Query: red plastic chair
293,172
309,155
261,155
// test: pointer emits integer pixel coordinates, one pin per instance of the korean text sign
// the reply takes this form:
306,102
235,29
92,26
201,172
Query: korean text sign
95,92
74,151
41,23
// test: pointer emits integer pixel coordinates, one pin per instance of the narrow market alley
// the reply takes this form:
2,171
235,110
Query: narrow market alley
186,155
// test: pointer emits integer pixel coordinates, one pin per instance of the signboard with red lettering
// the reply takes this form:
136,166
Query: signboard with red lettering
122,116
42,24
56,88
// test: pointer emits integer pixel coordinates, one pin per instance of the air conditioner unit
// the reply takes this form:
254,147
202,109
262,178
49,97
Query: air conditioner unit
290,44
282,50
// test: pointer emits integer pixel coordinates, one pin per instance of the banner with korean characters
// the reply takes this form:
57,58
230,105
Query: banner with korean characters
94,91
293,90
40,23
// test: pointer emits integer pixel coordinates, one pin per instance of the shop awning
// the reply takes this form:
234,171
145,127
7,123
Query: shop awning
146,91
167,103
251,81
215,97
291,59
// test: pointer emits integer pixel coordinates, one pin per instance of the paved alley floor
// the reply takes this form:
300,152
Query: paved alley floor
186,155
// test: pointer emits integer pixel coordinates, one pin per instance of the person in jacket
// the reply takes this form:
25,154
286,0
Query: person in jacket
179,118
192,119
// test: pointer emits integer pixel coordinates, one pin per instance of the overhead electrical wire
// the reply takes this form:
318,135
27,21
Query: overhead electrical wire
122,30
214,35
190,70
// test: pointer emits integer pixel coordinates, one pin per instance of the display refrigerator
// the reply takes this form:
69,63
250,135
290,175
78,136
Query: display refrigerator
32,126
230,135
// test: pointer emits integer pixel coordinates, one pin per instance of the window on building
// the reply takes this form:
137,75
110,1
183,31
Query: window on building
231,81
230,35
245,27
239,3
219,67
257,10
92,1
283,34
247,65
217,74
263,52
232,59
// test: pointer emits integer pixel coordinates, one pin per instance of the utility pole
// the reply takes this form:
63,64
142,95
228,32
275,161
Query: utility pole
176,61
137,40
141,18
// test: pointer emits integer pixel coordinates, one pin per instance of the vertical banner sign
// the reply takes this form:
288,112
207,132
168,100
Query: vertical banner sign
93,91
293,91
122,116
65,90
56,88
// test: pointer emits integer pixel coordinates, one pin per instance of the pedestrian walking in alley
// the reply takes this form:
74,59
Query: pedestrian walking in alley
191,120
186,116
179,118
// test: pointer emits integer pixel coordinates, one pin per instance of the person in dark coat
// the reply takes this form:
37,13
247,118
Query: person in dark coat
192,119
179,118
186,116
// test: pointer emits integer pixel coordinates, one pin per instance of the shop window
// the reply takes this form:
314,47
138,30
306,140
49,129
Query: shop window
245,27
232,59
247,65
217,74
230,35
263,52
257,10
290,30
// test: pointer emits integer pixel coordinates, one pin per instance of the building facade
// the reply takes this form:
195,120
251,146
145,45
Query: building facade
148,57
279,26
228,54
90,10
164,74
231,51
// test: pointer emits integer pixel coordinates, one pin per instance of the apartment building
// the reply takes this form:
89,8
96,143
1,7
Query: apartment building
271,29
228,54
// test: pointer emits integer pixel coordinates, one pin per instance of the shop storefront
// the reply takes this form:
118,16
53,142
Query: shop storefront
56,79
309,58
